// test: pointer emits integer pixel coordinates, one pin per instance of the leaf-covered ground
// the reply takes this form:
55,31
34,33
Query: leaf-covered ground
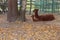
29,30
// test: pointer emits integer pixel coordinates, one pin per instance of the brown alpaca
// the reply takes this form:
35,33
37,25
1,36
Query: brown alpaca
46,17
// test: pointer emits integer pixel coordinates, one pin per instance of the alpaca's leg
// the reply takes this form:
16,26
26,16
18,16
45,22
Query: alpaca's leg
34,18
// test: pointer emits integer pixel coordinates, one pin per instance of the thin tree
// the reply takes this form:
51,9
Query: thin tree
23,10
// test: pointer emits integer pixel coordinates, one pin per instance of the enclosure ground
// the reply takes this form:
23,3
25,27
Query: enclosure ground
29,30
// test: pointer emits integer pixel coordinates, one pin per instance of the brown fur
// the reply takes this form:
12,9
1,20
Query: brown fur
46,17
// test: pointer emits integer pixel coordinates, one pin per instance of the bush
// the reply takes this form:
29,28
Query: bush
3,6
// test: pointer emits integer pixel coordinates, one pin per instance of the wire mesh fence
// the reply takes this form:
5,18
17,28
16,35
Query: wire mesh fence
44,6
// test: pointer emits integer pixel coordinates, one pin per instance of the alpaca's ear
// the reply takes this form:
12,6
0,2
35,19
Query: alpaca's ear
34,10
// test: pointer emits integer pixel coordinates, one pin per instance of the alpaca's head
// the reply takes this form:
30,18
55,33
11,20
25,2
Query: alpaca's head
35,10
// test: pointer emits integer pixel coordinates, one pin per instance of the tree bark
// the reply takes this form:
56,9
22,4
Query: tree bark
12,10
23,11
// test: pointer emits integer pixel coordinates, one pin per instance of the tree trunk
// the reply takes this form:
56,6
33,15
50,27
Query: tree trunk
12,10
23,11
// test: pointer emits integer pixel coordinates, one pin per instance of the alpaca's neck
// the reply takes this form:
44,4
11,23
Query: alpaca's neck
36,14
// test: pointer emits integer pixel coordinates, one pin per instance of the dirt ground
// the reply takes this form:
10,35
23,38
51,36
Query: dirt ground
29,30
5,23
